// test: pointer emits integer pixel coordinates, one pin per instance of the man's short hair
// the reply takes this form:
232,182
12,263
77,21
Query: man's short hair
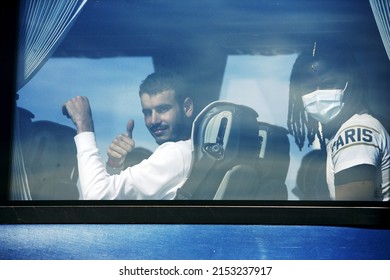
160,81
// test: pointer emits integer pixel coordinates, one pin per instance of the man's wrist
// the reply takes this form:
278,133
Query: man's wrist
85,127
114,164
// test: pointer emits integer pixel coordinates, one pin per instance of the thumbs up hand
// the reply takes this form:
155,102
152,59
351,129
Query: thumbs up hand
130,127
121,146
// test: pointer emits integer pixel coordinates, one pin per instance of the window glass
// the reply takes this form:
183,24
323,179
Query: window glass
111,84
262,82
241,52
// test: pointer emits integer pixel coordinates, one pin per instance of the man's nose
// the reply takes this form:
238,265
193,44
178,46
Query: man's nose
155,118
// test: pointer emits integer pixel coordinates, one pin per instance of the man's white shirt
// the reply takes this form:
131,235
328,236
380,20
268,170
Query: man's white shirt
157,177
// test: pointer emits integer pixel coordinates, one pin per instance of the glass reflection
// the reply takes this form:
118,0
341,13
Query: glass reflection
245,56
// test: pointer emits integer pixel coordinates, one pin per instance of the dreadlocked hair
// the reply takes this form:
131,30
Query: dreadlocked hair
299,124
326,61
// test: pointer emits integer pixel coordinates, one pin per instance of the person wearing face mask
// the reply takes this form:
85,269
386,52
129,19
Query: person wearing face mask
327,101
168,114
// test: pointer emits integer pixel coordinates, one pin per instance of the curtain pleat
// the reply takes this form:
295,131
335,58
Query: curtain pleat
381,10
43,25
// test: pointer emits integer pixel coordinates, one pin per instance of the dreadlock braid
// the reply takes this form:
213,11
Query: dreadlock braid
298,124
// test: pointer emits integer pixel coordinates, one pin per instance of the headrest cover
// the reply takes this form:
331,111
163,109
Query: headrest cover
225,131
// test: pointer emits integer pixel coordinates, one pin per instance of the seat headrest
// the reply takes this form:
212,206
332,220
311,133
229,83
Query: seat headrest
225,130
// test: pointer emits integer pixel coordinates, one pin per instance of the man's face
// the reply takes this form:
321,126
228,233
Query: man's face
164,117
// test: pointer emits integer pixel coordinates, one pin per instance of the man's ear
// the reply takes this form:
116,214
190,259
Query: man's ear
188,107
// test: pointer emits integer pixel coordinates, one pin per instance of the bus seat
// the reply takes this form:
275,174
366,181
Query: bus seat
239,183
224,135
50,160
311,178
273,162
265,179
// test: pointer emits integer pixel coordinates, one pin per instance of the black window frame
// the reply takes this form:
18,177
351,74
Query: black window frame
332,213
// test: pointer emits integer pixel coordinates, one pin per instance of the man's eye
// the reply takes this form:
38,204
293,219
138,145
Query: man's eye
146,113
163,109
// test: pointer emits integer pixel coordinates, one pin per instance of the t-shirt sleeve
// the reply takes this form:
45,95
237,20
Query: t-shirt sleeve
356,145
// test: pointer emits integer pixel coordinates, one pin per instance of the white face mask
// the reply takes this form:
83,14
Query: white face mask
324,104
